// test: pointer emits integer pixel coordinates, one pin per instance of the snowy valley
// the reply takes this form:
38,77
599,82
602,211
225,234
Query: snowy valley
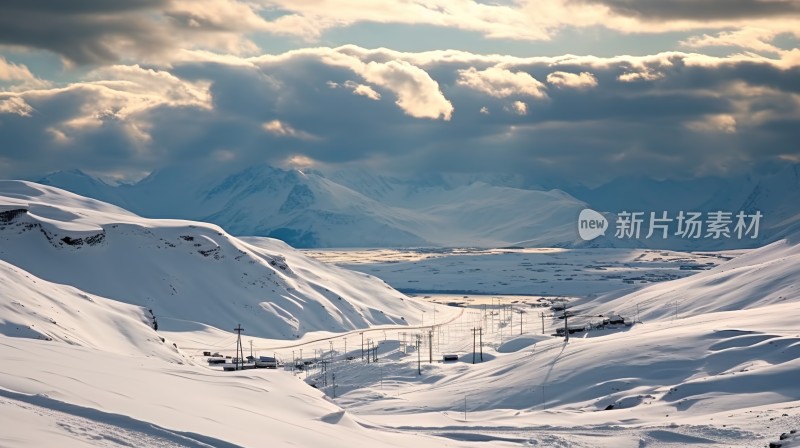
706,355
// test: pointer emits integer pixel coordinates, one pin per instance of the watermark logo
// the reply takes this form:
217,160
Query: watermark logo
685,225
591,224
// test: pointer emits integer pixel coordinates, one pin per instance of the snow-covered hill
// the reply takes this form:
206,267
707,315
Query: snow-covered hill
81,370
34,308
720,372
190,272
761,277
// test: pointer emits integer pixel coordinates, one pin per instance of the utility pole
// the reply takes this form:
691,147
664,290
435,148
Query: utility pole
474,333
493,311
544,403
481,343
566,327
251,348
500,327
419,358
542,314
362,345
520,321
430,346
239,348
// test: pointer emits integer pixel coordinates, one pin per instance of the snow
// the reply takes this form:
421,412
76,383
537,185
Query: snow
83,366
189,271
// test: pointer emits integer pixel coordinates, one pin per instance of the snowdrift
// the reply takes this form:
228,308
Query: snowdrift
33,308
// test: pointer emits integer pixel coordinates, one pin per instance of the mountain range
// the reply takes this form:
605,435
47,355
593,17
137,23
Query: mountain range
357,208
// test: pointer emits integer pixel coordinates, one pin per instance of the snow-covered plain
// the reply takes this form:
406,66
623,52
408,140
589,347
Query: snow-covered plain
712,360
550,271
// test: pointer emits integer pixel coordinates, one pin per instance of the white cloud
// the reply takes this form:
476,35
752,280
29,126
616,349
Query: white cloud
721,123
217,24
756,39
299,161
484,110
308,18
582,80
518,107
10,71
141,88
357,89
18,75
527,20
501,83
363,90
15,105
282,129
418,95
119,94
644,75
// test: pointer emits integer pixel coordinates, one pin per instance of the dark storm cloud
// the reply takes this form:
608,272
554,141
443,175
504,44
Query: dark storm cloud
685,120
656,10
30,143
102,32
84,31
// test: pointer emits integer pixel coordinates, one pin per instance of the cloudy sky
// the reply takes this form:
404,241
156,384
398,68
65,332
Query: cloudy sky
558,89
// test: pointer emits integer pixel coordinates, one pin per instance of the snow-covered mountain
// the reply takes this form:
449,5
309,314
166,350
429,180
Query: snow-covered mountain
308,209
770,194
188,273
358,208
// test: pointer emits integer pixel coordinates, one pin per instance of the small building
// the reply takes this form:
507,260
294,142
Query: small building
266,362
615,319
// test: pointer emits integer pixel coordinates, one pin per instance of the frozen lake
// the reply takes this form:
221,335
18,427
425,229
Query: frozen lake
521,272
